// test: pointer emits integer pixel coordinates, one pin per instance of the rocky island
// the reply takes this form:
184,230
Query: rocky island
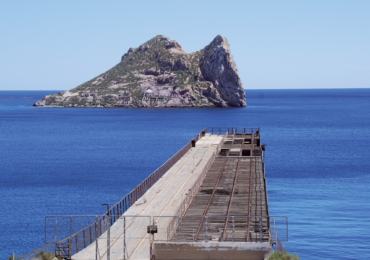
159,73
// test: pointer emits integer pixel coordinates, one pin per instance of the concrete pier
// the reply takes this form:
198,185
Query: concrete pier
211,204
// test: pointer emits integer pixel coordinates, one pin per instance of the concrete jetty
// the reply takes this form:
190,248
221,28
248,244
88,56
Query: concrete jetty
209,202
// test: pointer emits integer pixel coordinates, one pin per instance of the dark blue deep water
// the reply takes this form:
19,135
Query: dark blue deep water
70,161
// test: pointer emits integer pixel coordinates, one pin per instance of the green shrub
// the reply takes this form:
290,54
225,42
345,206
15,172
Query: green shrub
280,256
45,255
11,258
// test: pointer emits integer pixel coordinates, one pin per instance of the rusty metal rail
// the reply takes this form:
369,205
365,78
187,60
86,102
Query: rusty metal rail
242,191
209,202
83,238
230,202
214,228
232,130
214,190
250,196
174,224
188,199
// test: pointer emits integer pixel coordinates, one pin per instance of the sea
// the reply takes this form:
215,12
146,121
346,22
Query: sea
70,161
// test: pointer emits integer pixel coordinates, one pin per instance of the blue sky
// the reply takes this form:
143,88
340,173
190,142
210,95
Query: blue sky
57,45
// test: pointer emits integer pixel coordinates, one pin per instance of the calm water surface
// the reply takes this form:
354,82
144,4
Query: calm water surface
70,161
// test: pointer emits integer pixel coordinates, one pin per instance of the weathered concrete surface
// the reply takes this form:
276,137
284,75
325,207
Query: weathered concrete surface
162,199
210,250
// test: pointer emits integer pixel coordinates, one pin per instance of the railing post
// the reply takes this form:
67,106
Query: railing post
168,232
286,227
260,228
45,230
96,239
205,235
233,228
179,228
108,240
275,235
193,228
124,237
76,243
248,221
178,231
100,227
70,226
83,233
90,236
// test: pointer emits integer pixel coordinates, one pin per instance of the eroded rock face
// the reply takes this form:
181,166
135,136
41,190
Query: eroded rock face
218,66
159,73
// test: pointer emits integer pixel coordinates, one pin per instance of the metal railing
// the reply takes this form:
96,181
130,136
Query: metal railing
83,238
262,228
128,228
232,130
76,242
184,228
129,231
278,244
36,253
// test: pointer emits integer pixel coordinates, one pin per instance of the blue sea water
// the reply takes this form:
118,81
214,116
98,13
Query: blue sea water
71,160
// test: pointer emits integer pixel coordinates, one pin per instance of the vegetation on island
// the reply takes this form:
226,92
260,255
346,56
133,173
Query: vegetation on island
159,73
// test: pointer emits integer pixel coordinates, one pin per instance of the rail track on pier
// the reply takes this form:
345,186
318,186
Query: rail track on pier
231,204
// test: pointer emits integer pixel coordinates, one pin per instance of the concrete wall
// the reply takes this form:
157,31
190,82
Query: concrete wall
210,250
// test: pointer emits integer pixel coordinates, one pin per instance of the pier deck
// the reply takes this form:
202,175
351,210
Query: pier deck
232,198
162,199
211,204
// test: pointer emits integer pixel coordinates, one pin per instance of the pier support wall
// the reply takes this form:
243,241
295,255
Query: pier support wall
211,250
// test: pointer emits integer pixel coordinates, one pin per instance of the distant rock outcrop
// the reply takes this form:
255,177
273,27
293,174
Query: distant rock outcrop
159,73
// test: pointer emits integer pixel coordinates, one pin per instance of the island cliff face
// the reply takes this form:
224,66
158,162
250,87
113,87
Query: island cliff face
159,73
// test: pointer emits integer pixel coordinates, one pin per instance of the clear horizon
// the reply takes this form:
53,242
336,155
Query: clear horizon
276,45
